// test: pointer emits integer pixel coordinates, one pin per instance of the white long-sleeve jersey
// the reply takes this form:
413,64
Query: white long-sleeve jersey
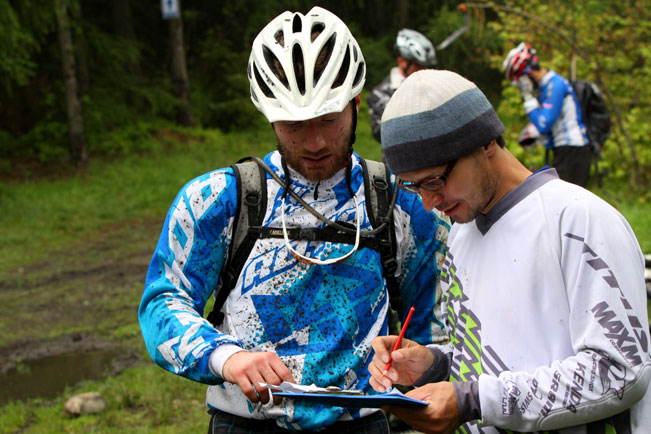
547,312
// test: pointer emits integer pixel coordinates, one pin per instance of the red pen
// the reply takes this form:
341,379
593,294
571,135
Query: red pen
402,333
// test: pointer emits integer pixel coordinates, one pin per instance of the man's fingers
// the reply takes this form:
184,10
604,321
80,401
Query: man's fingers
263,394
382,346
376,385
248,369
248,389
280,371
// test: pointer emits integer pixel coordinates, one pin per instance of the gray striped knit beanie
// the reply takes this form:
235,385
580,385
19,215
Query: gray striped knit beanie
433,118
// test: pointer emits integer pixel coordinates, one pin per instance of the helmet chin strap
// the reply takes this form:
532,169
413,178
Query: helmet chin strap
353,134
358,214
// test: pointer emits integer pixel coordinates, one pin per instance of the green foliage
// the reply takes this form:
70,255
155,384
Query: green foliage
130,88
222,97
21,27
612,42
470,54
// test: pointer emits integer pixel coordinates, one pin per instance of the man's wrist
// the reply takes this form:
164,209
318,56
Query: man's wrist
530,103
220,355
439,371
467,393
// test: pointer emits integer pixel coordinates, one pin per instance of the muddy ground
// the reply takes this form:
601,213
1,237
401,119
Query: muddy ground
83,296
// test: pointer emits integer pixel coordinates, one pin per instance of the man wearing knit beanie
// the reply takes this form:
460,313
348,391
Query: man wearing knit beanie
438,110
546,314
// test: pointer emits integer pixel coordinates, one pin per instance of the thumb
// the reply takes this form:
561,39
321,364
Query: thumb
414,354
404,354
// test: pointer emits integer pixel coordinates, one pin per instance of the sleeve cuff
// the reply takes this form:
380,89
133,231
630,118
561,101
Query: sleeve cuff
219,356
439,371
530,104
467,393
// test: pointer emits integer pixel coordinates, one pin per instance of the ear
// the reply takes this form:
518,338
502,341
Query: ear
358,100
490,149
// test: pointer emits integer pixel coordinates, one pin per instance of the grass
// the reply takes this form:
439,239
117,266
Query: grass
42,220
39,215
142,399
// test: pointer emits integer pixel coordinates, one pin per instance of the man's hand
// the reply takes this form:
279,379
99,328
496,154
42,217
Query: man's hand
528,136
409,363
247,369
525,86
439,417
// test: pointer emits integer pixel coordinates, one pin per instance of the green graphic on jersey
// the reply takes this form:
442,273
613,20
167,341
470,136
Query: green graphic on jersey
465,329
465,335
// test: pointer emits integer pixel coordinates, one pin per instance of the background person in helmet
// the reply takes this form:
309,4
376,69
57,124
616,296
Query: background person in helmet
554,111
298,312
415,52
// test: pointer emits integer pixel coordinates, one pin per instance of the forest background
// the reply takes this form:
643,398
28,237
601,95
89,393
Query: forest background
107,109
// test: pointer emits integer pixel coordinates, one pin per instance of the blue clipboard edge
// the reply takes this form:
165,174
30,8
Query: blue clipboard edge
353,401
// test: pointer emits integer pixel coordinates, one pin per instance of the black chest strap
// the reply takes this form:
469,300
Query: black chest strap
252,204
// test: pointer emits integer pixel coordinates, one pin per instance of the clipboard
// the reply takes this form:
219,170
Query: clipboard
394,397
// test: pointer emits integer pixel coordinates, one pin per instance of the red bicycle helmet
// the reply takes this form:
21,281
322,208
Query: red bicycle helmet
520,60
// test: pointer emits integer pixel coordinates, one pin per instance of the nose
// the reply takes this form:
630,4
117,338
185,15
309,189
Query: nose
315,140
430,198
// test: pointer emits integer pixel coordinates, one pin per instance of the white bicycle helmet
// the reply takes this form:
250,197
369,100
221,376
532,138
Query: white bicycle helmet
414,47
519,61
286,84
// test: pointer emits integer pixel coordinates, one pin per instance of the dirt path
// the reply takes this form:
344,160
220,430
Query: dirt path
84,296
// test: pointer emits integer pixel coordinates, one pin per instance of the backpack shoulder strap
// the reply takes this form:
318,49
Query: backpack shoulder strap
251,184
377,185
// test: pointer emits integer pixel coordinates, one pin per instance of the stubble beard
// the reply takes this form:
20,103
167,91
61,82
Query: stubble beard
340,151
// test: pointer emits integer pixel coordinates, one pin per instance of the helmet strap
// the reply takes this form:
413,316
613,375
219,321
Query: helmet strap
288,181
353,135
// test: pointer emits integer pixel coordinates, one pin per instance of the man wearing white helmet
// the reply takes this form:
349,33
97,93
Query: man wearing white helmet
312,292
415,52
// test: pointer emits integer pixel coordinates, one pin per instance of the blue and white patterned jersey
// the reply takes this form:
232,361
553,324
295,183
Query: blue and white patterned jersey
557,113
319,319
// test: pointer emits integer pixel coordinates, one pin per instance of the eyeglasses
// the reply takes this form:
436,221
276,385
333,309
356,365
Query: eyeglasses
432,184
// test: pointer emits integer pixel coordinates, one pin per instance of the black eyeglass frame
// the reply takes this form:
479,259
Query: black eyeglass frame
432,184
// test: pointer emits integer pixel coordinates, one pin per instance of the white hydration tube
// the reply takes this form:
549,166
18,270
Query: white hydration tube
358,224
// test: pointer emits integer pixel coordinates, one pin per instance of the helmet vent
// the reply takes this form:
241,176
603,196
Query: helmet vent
317,28
359,74
280,38
263,86
324,57
297,24
343,71
354,54
275,66
299,67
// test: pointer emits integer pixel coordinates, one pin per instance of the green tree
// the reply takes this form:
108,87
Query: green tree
607,42
73,105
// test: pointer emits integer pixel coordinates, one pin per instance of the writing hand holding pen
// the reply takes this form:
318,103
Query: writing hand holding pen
398,361
403,361
402,333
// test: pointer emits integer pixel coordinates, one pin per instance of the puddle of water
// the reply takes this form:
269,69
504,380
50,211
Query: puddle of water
49,376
